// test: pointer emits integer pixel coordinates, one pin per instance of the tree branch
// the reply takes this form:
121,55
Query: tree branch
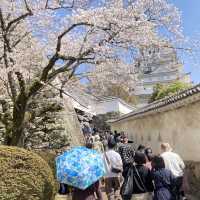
45,77
61,69
2,20
49,66
34,88
21,82
67,31
22,17
11,82
56,57
20,39
6,41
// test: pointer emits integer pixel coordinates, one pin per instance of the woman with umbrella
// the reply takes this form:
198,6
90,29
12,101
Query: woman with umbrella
90,193
81,168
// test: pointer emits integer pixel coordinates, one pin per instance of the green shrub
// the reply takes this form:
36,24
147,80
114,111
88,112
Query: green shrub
24,176
162,90
49,157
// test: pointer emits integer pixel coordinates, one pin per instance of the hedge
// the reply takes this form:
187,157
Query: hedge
24,176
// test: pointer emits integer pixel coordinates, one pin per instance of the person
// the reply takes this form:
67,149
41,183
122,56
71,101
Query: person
163,180
110,136
116,135
149,157
86,129
112,179
91,192
89,145
105,142
142,180
64,189
88,194
127,153
175,164
98,145
141,148
119,142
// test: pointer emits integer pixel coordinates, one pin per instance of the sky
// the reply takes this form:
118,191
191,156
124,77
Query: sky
190,10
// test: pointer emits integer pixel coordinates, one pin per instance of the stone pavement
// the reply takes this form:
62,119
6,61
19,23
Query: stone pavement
61,197
65,197
68,197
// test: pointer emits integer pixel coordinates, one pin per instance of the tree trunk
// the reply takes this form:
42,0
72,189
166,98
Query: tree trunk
19,111
7,140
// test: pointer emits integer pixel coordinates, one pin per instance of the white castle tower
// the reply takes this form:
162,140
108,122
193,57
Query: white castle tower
157,66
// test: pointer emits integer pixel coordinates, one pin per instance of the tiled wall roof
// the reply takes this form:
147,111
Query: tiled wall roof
179,99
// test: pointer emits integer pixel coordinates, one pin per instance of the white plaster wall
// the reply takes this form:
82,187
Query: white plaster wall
107,106
124,109
180,127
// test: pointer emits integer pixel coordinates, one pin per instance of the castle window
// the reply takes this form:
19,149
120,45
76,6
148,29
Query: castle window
147,70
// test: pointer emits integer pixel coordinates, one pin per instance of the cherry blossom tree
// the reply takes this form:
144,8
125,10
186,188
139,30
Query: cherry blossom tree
42,39
114,78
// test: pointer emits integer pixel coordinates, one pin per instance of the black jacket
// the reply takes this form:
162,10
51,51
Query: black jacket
146,178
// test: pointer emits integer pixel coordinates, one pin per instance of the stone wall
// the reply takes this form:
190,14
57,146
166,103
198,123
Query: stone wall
193,173
72,125
51,122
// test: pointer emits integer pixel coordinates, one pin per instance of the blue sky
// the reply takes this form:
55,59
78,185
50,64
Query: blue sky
190,10
191,26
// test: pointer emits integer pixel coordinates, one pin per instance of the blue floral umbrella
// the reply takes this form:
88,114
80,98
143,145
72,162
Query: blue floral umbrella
80,167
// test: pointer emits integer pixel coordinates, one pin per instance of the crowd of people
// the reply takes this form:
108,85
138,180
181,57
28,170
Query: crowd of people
134,173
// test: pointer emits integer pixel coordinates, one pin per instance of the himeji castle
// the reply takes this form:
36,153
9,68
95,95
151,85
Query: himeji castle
157,66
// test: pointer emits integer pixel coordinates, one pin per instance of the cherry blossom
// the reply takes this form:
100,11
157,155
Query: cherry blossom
43,39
